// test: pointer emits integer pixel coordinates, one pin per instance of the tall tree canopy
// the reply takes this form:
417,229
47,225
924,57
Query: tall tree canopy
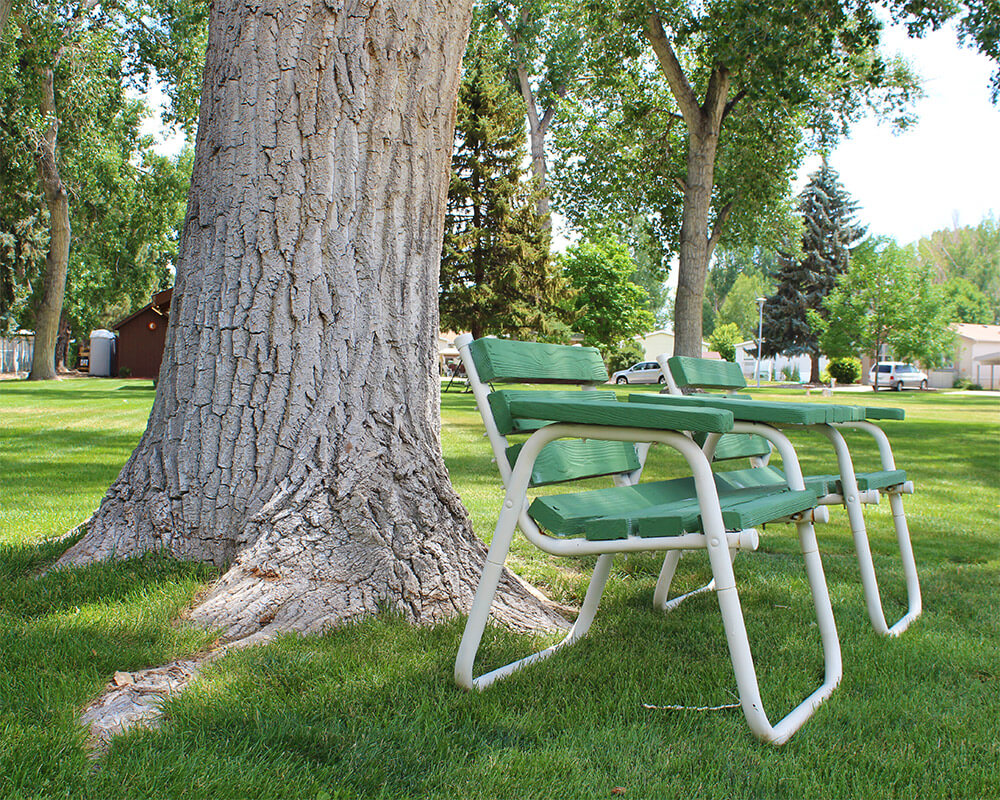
496,273
719,130
805,278
294,438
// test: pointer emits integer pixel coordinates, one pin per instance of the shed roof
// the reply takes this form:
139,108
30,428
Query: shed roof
160,304
978,333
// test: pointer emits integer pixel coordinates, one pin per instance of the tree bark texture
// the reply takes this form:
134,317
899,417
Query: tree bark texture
295,435
57,259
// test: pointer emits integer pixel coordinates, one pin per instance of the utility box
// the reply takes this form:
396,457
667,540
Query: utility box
102,353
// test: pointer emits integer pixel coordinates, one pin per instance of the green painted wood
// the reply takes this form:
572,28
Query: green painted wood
879,412
735,445
706,373
573,459
880,479
507,423
507,361
752,410
621,415
663,508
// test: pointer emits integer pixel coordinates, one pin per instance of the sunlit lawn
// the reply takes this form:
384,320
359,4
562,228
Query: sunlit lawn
371,710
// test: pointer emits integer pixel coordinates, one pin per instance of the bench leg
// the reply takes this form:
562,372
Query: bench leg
662,591
855,516
486,591
739,645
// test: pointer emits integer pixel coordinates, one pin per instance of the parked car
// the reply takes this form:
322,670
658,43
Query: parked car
897,375
643,372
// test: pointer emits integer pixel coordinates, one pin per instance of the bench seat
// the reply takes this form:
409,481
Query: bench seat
665,508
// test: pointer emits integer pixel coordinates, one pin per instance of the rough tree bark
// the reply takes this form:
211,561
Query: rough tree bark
698,241
57,259
295,433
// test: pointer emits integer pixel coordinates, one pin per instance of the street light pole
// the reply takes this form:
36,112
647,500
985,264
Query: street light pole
760,332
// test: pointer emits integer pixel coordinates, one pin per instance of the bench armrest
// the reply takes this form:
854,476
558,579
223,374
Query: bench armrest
620,415
758,410
882,412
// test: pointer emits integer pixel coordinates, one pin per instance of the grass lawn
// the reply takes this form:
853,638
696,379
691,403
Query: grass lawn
370,711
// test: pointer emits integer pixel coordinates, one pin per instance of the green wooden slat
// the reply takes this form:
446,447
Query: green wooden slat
506,423
622,415
507,361
750,410
735,445
706,373
665,508
572,459
881,412
879,479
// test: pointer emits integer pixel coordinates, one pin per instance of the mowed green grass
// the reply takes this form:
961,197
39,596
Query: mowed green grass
370,710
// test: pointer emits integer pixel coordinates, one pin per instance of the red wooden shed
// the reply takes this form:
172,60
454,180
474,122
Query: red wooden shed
142,336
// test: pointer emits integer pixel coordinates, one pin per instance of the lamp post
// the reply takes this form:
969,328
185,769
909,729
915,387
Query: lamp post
760,332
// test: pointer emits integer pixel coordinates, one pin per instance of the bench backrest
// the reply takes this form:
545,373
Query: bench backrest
508,361
704,373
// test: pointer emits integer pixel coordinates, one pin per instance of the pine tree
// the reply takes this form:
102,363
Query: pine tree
496,272
803,280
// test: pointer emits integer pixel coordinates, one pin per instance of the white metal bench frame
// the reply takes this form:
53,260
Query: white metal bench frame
852,501
719,543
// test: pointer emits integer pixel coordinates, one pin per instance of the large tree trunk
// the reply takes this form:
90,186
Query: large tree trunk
57,260
295,433
692,268
704,124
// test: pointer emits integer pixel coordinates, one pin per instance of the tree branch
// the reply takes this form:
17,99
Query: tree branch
717,226
732,103
672,70
715,97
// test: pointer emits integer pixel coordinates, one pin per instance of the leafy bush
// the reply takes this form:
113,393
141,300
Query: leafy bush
845,370
623,355
790,375
966,385
724,340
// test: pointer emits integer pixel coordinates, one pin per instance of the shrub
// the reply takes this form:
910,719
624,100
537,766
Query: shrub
845,370
724,340
623,355
790,375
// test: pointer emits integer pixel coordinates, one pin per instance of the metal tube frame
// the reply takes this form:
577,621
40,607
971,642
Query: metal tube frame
715,540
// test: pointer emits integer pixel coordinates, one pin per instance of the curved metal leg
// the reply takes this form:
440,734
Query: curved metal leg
486,591
852,503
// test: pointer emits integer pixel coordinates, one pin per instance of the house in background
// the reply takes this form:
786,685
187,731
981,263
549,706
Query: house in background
662,341
977,358
142,337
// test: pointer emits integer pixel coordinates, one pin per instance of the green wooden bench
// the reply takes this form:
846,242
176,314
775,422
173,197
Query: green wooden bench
567,435
846,487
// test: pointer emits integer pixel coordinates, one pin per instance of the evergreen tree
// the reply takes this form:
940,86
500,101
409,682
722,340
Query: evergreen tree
804,279
496,272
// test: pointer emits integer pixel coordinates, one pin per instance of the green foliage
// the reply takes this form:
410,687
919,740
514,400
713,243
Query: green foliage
967,302
609,308
971,253
740,307
622,355
496,272
845,370
724,339
884,299
125,202
805,279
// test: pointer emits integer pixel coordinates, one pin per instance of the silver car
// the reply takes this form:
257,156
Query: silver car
897,375
643,372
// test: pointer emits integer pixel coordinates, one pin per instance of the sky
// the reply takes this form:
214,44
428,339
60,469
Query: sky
942,172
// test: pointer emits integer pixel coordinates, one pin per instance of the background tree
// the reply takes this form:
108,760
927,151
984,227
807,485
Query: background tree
729,263
544,48
62,76
884,300
970,252
741,77
966,303
496,273
609,308
740,306
294,438
804,279
724,339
